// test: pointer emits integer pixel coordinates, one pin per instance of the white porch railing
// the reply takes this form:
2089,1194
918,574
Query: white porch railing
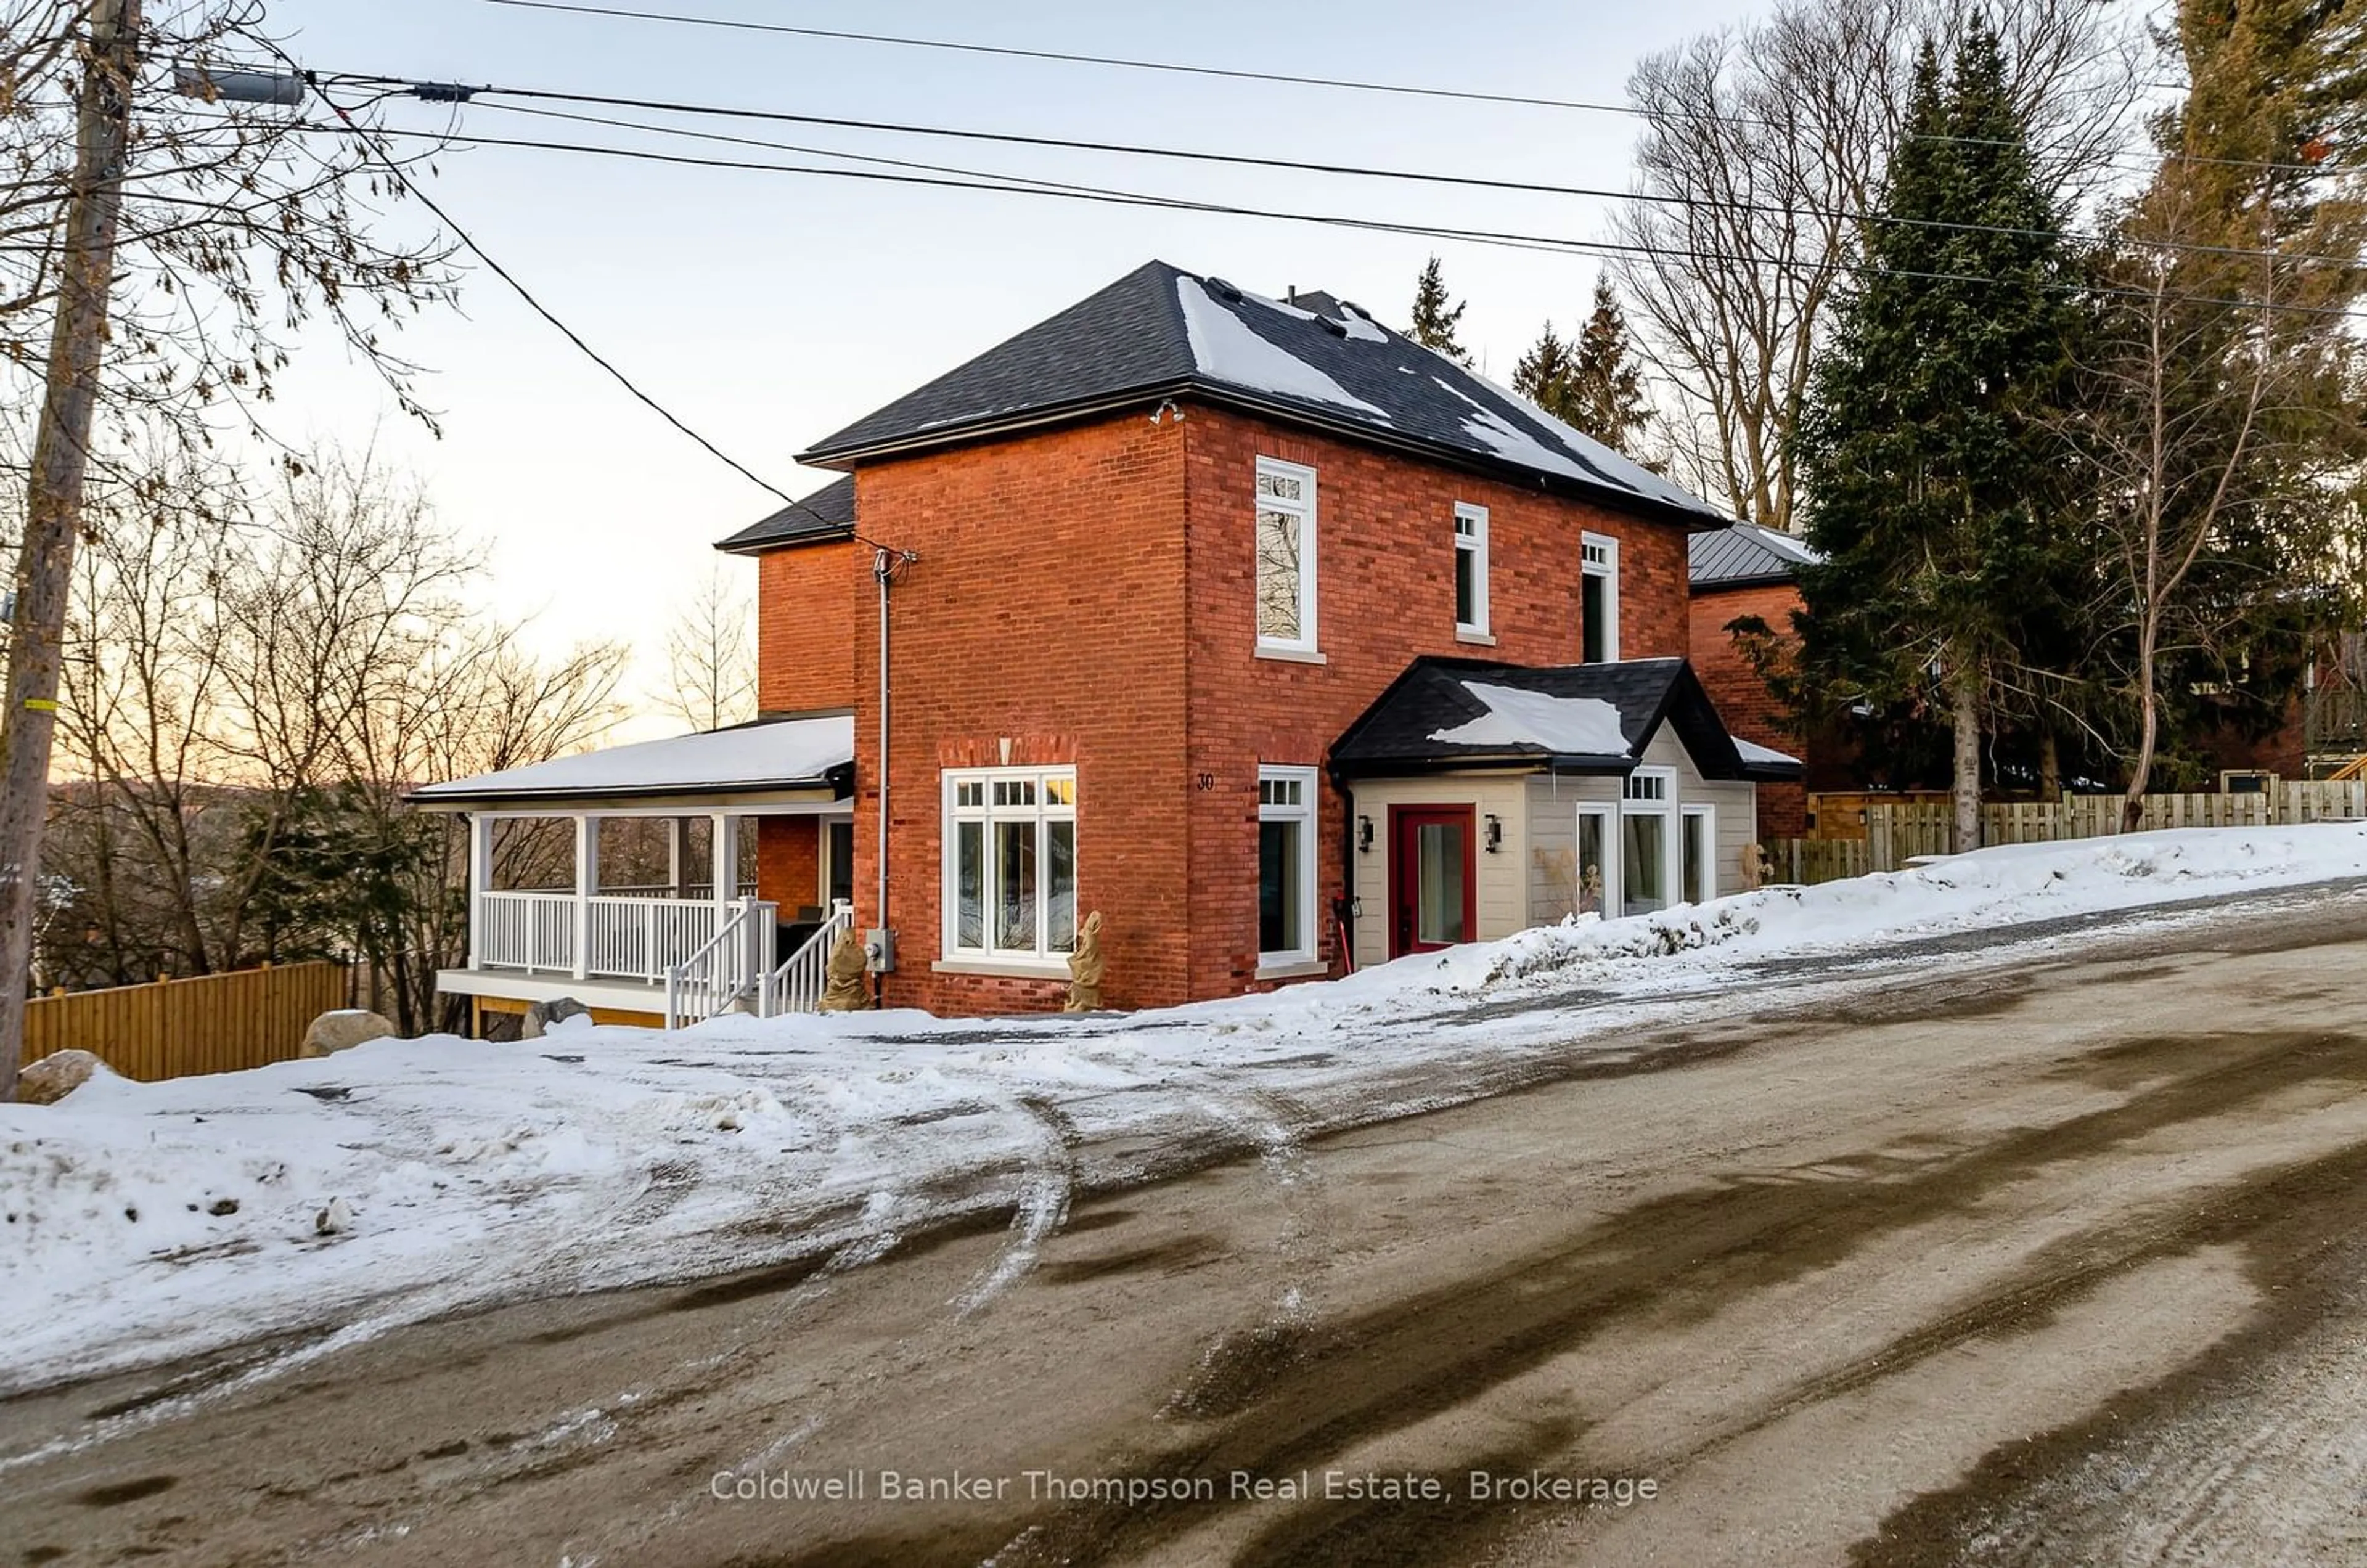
534,931
734,964
797,985
624,938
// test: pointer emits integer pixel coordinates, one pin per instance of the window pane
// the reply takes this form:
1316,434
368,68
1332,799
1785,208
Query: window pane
1438,913
1590,861
1644,857
1466,597
842,862
1591,649
1277,575
1281,899
1061,886
970,884
1697,852
1015,885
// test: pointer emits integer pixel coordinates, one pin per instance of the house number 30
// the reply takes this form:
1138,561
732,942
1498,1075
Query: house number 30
1207,781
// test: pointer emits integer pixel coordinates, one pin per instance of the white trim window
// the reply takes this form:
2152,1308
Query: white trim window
1697,856
1470,570
1647,841
1285,556
1287,916
1598,599
1010,864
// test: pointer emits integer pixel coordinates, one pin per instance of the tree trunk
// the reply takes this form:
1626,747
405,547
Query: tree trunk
53,510
2050,766
1965,689
2148,732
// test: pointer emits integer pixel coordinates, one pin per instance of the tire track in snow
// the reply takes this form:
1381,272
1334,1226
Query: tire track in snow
1046,1189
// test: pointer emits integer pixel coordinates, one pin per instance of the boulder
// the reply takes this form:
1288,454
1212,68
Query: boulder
54,1076
343,1029
542,1015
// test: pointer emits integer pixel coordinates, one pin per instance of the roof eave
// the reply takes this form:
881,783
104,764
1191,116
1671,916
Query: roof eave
527,800
1493,761
837,535
1757,580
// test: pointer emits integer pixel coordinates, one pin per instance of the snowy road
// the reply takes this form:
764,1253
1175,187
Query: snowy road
2031,1255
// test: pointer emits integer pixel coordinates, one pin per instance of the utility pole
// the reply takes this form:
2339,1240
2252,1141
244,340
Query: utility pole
53,511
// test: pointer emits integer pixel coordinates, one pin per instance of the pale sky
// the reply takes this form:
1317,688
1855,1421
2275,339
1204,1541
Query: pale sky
767,310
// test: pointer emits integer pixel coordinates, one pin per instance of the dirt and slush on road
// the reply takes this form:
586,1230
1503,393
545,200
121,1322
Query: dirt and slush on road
2053,1258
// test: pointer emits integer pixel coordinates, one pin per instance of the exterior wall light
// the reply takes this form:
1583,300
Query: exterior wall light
1363,835
1491,833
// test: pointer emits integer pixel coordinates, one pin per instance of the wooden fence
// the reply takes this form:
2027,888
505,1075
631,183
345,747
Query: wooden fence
1897,834
214,1023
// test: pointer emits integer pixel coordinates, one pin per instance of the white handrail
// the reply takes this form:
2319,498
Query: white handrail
797,985
736,958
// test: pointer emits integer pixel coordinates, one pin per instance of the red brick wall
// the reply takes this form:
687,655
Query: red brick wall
1742,699
808,604
1084,596
1383,595
1046,611
788,861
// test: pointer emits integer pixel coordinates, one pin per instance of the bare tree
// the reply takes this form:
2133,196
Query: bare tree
711,656
1761,150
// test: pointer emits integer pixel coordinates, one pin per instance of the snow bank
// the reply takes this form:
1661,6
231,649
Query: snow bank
148,1221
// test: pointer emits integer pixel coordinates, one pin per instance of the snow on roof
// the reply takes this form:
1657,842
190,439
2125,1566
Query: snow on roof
1570,727
1226,348
775,754
1753,752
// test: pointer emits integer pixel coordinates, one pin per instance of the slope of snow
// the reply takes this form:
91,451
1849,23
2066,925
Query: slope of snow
144,1222
1568,726
1753,752
1225,348
779,751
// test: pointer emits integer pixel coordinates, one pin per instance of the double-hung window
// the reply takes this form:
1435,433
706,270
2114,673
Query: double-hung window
1598,599
1470,570
1011,863
1285,556
1286,919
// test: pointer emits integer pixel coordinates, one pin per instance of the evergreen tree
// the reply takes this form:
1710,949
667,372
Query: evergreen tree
1607,382
1434,319
1546,376
1928,450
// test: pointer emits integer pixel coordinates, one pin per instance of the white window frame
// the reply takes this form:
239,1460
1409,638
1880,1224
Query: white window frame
1662,804
1051,783
1708,817
1302,811
1475,543
1598,556
1303,644
1613,887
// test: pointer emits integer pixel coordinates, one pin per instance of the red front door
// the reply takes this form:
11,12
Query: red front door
1433,884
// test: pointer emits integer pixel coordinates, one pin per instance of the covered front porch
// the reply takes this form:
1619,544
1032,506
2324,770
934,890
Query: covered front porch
664,882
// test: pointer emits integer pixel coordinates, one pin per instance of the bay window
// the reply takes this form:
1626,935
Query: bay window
1011,863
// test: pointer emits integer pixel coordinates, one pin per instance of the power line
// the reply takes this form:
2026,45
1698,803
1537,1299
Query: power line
1290,79
944,176
1294,166
370,139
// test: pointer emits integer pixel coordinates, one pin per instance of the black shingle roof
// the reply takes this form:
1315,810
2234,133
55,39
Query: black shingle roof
1400,733
1744,555
827,514
1159,331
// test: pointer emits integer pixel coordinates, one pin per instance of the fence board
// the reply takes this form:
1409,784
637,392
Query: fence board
1897,832
212,1023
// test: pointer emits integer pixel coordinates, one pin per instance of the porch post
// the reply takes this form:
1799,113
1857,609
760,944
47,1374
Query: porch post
480,882
725,843
677,855
587,882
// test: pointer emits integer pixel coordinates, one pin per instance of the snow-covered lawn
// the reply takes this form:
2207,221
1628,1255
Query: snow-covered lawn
148,1221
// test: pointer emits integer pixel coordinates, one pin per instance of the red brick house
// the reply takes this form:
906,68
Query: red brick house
1279,640
1738,572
